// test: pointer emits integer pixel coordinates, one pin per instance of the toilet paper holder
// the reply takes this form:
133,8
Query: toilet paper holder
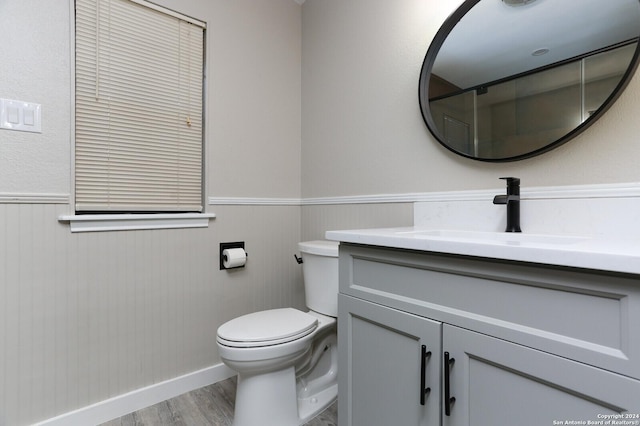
225,246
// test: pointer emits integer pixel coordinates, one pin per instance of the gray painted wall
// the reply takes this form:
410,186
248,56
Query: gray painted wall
86,317
362,132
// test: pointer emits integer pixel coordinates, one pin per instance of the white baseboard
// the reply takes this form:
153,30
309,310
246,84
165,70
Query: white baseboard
140,398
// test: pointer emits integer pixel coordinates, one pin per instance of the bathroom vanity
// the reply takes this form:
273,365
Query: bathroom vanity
459,328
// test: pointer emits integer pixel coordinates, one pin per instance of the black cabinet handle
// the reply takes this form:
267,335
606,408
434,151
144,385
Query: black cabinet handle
424,355
448,399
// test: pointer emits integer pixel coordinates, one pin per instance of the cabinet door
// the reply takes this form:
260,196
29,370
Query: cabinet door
381,366
495,382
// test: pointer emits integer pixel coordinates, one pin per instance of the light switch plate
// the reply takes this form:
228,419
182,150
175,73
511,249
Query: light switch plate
20,116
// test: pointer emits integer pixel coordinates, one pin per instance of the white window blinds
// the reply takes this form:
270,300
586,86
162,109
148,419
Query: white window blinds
139,96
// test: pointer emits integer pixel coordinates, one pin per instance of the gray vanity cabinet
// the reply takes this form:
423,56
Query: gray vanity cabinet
518,358
497,382
385,364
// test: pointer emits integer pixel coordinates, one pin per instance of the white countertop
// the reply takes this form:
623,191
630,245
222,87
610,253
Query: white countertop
618,255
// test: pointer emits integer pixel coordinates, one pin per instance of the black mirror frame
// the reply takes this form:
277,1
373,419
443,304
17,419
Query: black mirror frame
425,74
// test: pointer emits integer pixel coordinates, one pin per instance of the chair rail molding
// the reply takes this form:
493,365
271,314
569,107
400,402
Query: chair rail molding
617,190
34,198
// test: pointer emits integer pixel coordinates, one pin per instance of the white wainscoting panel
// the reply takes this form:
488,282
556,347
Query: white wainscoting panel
87,317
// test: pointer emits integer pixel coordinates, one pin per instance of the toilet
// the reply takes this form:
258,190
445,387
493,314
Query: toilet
286,359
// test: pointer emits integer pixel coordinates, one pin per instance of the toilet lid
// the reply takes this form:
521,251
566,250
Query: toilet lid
269,327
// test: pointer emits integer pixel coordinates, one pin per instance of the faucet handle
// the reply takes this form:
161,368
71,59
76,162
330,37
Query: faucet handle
513,185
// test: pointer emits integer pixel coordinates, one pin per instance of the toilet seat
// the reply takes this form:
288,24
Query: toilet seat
266,328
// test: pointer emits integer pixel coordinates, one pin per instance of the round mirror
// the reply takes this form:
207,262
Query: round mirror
505,80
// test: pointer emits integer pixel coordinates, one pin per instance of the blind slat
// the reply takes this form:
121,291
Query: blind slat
139,85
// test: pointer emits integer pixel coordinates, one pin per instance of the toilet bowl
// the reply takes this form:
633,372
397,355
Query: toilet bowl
283,383
287,359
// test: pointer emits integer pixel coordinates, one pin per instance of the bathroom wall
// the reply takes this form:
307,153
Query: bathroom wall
317,219
92,316
362,129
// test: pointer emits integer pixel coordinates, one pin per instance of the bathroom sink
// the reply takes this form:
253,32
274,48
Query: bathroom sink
491,237
579,251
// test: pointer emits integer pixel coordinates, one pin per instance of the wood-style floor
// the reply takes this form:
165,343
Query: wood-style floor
208,406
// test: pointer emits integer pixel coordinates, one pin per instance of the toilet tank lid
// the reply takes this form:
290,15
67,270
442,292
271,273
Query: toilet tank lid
319,247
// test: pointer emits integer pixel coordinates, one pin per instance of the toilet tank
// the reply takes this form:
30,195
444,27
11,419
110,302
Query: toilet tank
320,274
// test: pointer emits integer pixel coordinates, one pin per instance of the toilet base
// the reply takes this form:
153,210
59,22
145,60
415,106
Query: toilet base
308,408
286,397
267,399
317,387
273,401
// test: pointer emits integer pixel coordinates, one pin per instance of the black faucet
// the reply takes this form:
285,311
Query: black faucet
512,200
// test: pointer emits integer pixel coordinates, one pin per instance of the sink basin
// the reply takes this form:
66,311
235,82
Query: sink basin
491,237
615,253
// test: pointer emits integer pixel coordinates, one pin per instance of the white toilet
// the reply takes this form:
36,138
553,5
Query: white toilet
286,359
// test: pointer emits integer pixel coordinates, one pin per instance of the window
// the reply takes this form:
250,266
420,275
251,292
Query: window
139,108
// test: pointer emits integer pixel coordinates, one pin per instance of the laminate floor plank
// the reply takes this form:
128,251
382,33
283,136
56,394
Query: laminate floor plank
186,412
328,417
158,414
208,406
